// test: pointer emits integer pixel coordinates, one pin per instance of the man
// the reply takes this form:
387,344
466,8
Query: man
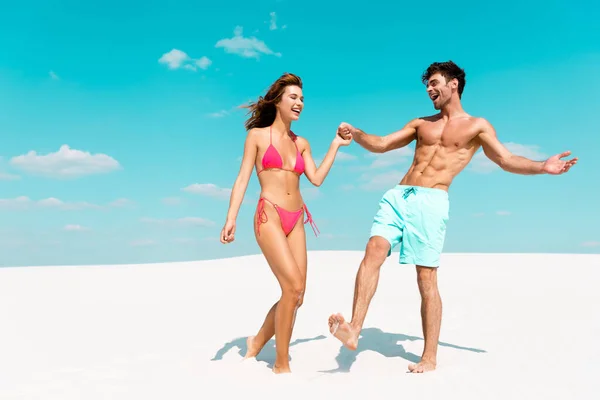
415,212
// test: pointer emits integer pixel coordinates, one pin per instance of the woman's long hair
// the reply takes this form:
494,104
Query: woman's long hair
263,111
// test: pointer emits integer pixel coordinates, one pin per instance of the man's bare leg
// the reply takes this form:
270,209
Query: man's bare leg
431,317
365,286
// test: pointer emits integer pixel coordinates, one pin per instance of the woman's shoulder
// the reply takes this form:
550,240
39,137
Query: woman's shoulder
296,137
299,139
256,133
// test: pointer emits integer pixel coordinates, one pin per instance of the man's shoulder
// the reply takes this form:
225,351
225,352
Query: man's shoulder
426,118
417,121
481,123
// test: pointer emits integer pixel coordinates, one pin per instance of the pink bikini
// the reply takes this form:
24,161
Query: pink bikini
272,160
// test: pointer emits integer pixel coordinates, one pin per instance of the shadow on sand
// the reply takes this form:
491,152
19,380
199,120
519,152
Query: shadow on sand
386,344
267,354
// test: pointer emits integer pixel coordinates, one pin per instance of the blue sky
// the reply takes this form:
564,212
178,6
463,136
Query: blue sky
121,137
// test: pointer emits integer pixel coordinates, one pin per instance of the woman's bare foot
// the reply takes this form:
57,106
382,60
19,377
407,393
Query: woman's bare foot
424,366
252,349
281,370
343,331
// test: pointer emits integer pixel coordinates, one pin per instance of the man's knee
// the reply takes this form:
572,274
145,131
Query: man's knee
377,251
427,281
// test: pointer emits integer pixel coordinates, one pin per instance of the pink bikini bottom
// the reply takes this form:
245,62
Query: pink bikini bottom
288,218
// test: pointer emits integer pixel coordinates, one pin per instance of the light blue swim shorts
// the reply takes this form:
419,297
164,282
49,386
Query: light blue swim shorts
414,217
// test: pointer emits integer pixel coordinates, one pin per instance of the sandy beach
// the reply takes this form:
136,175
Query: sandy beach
514,326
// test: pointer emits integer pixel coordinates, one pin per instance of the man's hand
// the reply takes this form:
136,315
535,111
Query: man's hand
555,166
345,131
340,141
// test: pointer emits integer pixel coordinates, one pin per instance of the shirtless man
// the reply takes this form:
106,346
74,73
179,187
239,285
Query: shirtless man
415,212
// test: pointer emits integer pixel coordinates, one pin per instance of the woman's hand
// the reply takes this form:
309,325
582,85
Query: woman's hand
228,232
343,136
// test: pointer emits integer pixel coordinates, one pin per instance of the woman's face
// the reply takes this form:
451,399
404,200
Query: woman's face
291,104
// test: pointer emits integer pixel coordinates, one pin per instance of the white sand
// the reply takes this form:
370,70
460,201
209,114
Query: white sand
514,326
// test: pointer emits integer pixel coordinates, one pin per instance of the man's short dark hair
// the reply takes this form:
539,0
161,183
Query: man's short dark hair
448,70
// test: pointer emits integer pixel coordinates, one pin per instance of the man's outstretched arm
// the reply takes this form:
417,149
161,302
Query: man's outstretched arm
381,144
509,162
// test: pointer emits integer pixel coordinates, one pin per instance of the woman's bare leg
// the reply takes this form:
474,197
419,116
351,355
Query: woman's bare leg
297,242
279,320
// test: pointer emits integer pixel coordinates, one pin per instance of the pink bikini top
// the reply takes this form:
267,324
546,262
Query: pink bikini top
272,159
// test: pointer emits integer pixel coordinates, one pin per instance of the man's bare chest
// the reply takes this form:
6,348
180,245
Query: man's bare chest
446,135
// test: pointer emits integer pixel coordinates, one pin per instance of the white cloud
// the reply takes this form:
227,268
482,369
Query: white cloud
194,241
381,181
273,21
224,113
340,156
22,203
482,164
248,47
503,213
203,62
219,114
390,158
184,240
65,163
176,59
208,189
75,228
171,201
180,222
5,176
372,180
53,75
121,203
591,244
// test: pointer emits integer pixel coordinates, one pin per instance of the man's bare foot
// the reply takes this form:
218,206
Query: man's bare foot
252,349
281,370
423,366
343,331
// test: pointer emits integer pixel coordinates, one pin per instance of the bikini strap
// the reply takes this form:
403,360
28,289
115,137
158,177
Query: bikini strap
310,219
261,215
294,137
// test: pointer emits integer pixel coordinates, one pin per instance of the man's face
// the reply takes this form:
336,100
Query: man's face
439,90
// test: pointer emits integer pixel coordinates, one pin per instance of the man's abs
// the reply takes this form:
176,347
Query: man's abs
436,166
443,150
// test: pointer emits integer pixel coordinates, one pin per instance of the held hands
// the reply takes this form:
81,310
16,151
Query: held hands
344,134
555,166
345,131
228,232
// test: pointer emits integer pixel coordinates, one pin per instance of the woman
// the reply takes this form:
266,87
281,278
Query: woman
280,157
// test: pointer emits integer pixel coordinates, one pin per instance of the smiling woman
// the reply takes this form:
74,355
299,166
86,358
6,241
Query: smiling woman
280,157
